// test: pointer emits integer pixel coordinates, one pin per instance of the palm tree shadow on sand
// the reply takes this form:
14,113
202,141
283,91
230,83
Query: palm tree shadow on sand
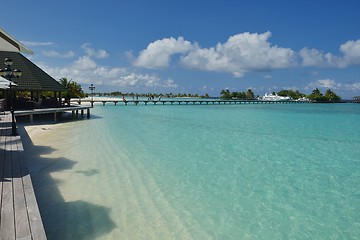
62,220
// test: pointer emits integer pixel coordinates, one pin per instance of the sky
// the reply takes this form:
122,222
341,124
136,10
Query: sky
196,46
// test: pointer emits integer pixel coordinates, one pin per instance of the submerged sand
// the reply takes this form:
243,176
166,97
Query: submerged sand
82,196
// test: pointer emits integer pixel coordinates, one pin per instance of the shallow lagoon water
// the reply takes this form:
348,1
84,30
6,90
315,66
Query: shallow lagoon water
253,171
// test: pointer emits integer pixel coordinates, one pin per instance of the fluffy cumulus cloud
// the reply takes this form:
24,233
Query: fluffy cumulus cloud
158,53
86,70
241,53
244,52
350,55
314,57
351,51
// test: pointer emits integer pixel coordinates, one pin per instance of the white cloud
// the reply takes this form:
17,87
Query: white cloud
324,84
35,44
144,80
158,53
240,54
351,51
243,53
314,57
68,54
94,53
84,63
352,86
86,70
350,56
268,76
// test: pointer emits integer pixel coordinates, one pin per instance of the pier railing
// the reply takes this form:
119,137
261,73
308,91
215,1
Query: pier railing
183,102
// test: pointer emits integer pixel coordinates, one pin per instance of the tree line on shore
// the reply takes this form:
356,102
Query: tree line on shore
74,90
316,95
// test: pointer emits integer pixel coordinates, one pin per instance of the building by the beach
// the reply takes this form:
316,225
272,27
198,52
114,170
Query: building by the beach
27,90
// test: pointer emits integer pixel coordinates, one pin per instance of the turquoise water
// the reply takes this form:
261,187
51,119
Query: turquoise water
267,171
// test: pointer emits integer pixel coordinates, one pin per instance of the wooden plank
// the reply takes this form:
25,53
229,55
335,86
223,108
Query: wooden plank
7,226
2,157
19,213
22,227
36,224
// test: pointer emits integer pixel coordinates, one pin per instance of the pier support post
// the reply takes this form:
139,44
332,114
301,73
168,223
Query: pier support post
88,113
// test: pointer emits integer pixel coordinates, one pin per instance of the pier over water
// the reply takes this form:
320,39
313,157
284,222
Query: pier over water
183,102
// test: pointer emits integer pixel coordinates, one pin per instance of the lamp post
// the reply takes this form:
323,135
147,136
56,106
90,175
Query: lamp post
10,74
92,88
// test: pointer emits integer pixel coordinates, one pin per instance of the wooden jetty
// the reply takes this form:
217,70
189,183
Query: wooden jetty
20,217
55,111
184,102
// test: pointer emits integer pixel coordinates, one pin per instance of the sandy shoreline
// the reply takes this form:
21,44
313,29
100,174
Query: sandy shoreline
75,192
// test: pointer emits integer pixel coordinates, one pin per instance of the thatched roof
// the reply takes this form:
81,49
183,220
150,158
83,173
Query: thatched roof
33,78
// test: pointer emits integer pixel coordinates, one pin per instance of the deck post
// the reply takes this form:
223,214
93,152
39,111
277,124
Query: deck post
88,113
82,112
55,120
31,117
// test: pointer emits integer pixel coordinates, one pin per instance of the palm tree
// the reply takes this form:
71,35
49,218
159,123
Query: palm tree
331,96
316,92
250,94
73,89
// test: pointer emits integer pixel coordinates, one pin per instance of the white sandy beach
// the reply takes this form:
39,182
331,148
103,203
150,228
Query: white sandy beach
117,200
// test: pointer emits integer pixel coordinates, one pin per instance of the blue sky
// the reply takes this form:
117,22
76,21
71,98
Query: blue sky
194,46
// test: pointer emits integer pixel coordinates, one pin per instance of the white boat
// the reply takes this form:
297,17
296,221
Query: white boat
274,97
303,99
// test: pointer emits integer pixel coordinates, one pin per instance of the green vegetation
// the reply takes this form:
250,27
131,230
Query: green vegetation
291,93
329,96
226,94
73,89
315,96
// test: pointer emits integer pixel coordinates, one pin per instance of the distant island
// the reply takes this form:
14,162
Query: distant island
75,90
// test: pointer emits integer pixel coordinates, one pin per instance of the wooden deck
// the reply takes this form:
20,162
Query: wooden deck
20,217
54,111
